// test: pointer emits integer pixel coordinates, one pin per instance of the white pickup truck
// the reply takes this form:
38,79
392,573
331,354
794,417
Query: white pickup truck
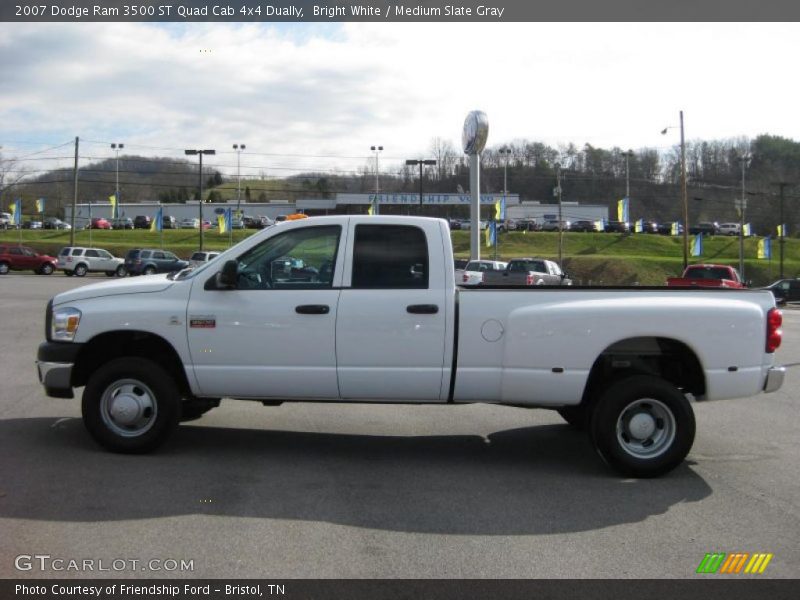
365,309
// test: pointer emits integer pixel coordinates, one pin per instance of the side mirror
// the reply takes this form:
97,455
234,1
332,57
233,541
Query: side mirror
229,275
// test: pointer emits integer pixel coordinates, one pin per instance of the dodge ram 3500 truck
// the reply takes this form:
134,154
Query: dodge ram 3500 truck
365,309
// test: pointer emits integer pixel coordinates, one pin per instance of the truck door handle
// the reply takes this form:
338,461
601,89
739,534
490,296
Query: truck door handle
312,309
422,309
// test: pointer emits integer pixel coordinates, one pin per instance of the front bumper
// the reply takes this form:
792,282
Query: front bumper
54,364
774,379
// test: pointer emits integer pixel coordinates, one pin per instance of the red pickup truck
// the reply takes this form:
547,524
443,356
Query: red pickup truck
708,276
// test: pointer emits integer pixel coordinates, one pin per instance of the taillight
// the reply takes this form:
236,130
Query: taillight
774,333
529,279
464,278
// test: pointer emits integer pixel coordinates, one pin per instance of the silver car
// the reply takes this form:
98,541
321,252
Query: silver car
79,261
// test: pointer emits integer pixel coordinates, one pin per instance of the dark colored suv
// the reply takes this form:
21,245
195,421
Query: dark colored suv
141,222
146,262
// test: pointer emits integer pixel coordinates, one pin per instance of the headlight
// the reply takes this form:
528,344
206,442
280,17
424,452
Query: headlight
65,324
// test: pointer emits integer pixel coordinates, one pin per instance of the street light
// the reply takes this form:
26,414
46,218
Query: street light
560,222
116,148
376,205
200,179
507,153
743,160
628,155
420,162
238,148
683,193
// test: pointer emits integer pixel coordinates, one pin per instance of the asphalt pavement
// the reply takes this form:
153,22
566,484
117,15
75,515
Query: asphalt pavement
336,490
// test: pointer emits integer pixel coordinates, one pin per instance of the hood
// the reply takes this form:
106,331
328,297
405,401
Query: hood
146,284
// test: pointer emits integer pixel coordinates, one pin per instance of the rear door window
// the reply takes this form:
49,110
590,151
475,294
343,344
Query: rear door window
390,257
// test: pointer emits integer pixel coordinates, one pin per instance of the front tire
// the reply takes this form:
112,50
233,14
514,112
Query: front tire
149,271
643,426
4,268
46,269
131,405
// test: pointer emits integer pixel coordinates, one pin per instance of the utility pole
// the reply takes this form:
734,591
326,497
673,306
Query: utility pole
781,186
743,160
685,200
74,196
560,222
200,185
627,156
376,205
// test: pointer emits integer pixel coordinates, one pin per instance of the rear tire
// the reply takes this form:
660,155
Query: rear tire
131,405
121,271
643,426
80,270
149,271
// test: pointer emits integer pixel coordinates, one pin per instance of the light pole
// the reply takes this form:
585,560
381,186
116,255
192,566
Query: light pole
560,222
781,185
506,152
627,156
744,160
420,162
116,148
376,204
238,148
683,193
200,179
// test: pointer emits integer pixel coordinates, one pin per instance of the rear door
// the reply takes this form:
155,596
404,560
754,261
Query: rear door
93,261
390,330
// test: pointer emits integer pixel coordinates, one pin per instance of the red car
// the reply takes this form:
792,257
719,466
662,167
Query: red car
22,258
709,276
99,223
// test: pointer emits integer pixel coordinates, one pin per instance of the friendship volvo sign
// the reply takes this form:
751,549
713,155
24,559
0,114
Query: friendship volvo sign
428,199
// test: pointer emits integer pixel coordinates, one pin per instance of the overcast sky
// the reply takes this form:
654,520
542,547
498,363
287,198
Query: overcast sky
316,96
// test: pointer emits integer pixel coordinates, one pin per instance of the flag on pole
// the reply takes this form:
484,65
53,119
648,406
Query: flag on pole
224,221
500,210
639,227
782,230
114,206
491,234
16,212
157,223
622,210
40,205
674,229
746,231
765,248
697,245
371,210
600,225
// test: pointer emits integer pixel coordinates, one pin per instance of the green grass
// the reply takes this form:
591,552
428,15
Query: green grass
597,258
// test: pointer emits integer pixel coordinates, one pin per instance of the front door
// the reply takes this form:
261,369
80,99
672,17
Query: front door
274,335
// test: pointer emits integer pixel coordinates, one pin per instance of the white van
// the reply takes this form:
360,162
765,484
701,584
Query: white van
729,228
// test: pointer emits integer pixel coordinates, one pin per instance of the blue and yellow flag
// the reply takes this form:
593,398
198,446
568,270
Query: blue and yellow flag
622,209
491,234
746,230
114,206
697,245
782,230
639,227
157,223
40,205
371,210
765,248
600,225
16,212
224,221
674,230
500,210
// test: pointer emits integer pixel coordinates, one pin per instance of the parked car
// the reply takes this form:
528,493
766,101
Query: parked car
141,222
649,226
123,223
55,223
23,258
528,225
199,258
729,229
709,276
618,227
704,227
32,225
149,261
584,226
251,222
474,270
99,223
265,221
79,261
785,290
666,228
169,222
552,225
189,224
5,220
528,271
455,224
